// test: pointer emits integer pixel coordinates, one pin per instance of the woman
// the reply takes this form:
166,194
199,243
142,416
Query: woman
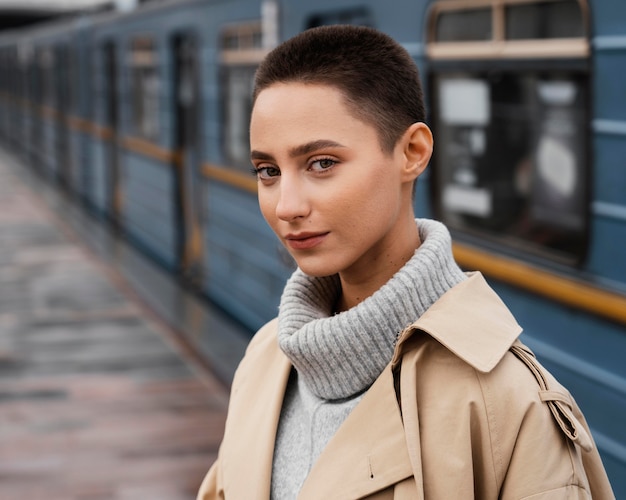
389,373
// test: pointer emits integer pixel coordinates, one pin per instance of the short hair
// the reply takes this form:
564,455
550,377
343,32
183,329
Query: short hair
377,77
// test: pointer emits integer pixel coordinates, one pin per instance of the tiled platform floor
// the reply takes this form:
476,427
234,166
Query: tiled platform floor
98,398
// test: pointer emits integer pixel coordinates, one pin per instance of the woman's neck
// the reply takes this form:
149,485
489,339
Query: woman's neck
359,284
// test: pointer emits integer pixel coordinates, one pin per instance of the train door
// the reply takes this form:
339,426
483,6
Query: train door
187,144
62,105
113,198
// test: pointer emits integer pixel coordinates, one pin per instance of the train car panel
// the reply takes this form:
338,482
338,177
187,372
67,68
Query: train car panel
149,207
248,283
48,143
606,258
609,56
607,19
74,152
609,183
99,188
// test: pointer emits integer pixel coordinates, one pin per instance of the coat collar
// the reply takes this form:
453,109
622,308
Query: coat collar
471,321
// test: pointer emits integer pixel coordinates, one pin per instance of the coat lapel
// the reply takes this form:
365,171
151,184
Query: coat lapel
255,407
471,306
368,453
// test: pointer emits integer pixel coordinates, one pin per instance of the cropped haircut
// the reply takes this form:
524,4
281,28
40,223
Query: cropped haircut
377,77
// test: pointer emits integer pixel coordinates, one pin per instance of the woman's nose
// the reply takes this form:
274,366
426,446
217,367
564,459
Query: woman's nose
293,202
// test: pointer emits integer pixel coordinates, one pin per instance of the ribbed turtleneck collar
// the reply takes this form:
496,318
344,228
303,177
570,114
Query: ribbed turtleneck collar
341,355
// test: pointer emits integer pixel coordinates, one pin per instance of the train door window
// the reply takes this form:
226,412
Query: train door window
73,80
145,88
3,70
47,66
241,51
510,114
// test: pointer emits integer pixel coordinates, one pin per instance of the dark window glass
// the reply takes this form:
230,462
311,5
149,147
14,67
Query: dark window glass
3,72
230,41
74,83
464,25
237,81
562,19
64,80
511,157
357,16
257,39
145,88
247,36
237,84
47,66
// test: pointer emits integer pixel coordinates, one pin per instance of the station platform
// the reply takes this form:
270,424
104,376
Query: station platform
114,380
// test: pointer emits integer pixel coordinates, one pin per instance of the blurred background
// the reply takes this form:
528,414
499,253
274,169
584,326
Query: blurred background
136,265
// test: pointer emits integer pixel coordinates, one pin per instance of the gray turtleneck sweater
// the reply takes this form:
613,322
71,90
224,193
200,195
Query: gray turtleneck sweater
338,357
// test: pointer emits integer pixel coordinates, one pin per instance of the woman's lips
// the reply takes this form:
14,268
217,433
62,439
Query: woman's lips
304,241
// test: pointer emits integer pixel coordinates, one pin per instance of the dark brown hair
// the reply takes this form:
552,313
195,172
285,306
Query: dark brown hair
379,80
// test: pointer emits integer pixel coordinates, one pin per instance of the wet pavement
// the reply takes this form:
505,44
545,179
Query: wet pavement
113,379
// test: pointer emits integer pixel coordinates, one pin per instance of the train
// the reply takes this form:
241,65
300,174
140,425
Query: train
141,117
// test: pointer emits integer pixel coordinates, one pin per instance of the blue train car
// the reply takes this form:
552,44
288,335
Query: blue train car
529,114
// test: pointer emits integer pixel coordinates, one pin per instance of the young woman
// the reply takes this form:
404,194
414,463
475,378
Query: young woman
389,373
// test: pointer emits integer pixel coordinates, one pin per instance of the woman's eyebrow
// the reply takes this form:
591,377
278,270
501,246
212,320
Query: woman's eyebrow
260,155
303,149
312,146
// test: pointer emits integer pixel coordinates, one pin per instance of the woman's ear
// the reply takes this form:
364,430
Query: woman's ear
418,148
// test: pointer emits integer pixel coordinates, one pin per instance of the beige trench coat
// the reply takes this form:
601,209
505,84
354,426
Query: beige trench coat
475,420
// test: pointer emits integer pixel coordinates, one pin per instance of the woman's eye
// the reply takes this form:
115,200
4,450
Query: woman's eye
266,172
322,164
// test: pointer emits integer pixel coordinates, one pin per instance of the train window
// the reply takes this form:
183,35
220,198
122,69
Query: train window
73,79
3,71
358,16
510,120
145,87
241,52
556,19
47,67
465,25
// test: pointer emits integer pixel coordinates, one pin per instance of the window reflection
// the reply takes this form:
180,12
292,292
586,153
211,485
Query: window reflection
511,154
145,88
464,26
557,19
242,50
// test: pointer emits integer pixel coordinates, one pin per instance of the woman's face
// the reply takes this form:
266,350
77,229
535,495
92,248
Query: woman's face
337,202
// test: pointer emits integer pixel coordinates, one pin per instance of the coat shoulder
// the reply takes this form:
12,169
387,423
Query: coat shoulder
511,386
518,420
264,336
261,354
